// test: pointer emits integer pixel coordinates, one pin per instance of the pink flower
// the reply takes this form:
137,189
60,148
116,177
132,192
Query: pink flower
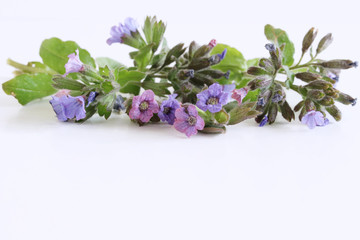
74,64
212,43
239,94
188,120
144,106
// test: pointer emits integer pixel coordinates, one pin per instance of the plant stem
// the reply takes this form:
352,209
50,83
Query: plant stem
29,69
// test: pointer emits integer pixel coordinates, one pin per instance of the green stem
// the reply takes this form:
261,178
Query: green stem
301,58
159,76
26,68
293,87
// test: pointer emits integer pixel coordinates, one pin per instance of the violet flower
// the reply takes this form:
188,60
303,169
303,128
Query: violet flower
223,54
213,98
188,120
74,64
91,98
314,118
144,106
239,94
67,107
168,108
118,32
263,121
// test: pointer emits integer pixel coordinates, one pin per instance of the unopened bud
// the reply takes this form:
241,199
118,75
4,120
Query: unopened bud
257,71
334,112
273,113
346,99
316,94
259,82
309,105
318,84
324,43
185,74
309,39
326,101
339,64
307,76
287,112
270,47
299,106
332,92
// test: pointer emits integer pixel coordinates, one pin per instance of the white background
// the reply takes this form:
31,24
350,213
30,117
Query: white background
114,180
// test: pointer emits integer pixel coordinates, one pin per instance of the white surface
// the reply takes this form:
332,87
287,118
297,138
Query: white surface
114,180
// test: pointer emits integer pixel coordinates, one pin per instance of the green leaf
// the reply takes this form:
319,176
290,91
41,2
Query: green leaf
28,87
67,83
106,105
111,63
242,112
160,89
107,86
143,57
54,53
233,61
280,37
129,80
252,96
252,62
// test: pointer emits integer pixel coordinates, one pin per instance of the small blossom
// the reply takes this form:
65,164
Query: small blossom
168,108
119,103
188,120
314,118
239,94
213,98
223,54
270,47
118,32
263,121
261,102
68,107
91,98
276,98
144,106
212,43
74,64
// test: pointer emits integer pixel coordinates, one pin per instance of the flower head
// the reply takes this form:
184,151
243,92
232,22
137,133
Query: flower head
239,94
314,118
68,107
188,120
118,32
74,64
212,43
144,106
213,98
168,108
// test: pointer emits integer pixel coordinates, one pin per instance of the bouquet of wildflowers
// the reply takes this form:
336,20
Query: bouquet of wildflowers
196,88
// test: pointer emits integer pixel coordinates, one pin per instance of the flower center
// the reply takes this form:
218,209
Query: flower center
191,121
166,110
213,101
144,106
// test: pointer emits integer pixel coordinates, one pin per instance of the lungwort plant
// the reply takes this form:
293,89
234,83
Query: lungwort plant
196,88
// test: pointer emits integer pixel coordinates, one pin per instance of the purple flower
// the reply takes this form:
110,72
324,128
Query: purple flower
168,108
144,106
223,54
68,107
239,94
91,98
188,120
213,98
74,64
118,32
263,121
314,118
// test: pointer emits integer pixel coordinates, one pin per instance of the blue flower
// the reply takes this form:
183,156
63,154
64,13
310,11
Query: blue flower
118,32
263,121
168,108
213,98
314,118
67,107
91,98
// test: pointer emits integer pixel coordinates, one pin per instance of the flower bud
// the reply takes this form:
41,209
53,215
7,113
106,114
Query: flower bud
334,112
259,82
185,74
267,65
309,105
287,112
257,71
273,113
327,101
346,99
302,113
299,106
216,74
307,76
324,43
199,63
332,92
308,39
339,64
318,84
275,55
316,94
